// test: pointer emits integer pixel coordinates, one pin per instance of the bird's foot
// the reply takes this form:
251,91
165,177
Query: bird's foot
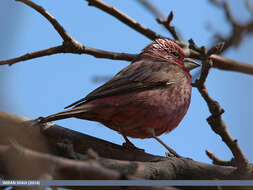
130,146
39,120
171,153
174,154
33,122
41,123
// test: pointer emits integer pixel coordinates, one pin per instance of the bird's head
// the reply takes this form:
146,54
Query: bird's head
164,49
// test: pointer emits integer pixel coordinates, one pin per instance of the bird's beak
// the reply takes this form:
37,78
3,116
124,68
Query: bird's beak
190,63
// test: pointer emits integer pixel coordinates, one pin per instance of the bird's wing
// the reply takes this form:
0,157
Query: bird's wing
137,76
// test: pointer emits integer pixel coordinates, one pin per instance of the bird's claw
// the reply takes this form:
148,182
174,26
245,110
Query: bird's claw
131,147
170,154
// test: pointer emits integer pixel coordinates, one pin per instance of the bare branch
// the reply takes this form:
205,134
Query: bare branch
217,49
64,168
224,5
69,44
152,8
109,55
215,120
239,30
217,161
137,164
227,64
221,62
167,25
73,46
160,17
231,65
249,7
77,49
125,19
32,55
53,132
62,32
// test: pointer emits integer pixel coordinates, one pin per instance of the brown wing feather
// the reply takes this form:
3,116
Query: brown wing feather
136,77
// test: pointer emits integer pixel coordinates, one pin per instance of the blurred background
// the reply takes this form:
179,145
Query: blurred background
46,85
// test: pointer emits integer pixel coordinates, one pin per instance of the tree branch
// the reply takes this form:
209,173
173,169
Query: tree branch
226,64
55,134
62,32
63,168
239,30
152,8
76,48
125,19
32,55
215,120
160,17
249,7
136,164
69,45
167,25
72,46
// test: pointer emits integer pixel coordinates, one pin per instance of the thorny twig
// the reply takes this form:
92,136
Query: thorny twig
215,120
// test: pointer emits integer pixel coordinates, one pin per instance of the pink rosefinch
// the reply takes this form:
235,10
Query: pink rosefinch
144,100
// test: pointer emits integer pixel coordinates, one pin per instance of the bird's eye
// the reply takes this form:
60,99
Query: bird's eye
176,54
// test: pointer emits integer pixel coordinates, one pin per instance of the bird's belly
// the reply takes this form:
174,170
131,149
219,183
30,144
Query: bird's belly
135,115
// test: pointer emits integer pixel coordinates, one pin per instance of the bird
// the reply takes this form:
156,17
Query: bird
147,98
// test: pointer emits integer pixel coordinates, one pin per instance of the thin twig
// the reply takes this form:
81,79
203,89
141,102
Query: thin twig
167,24
125,19
215,120
249,7
72,46
80,49
239,30
218,161
62,32
152,8
69,44
160,18
32,55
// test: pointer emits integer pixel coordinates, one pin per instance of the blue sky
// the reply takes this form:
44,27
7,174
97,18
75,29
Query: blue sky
43,86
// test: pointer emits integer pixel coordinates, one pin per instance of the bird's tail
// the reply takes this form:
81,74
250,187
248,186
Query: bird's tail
63,115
